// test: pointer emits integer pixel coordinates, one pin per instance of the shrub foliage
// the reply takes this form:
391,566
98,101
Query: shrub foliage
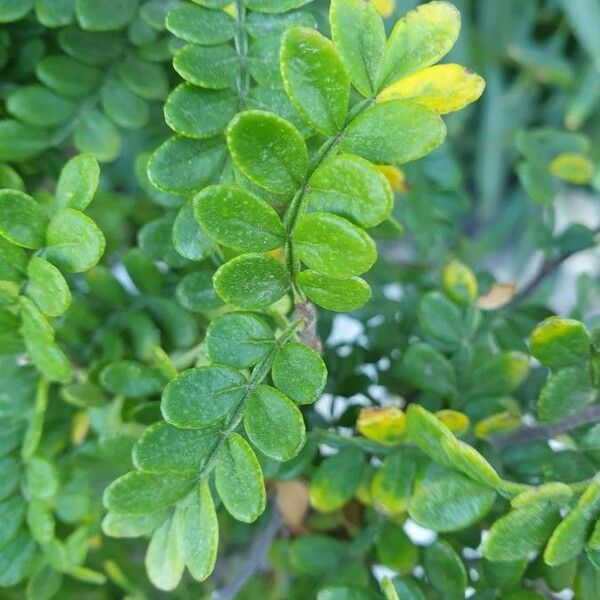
173,399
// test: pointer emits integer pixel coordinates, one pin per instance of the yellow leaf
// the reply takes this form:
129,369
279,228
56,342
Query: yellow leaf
385,425
442,88
385,8
572,167
455,421
459,282
499,423
395,177
230,9
81,426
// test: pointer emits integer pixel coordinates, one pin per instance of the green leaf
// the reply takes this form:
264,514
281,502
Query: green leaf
504,575
95,134
67,76
450,503
16,560
182,165
394,133
274,424
164,558
428,433
47,287
40,521
333,246
497,374
198,397
359,35
11,475
445,570
239,220
137,493
131,526
568,539
75,243
521,531
44,583
105,15
93,48
421,38
145,79
131,378
251,281
429,370
274,6
293,359
12,512
239,339
239,480
164,448
336,479
126,109
41,478
405,588
440,318
268,150
559,342
351,187
19,142
195,292
13,10
564,393
54,13
200,25
199,533
22,220
155,238
392,484
340,295
262,25
212,67
465,458
316,554
315,79
36,105
198,113
9,178
77,183
49,359
395,549
189,239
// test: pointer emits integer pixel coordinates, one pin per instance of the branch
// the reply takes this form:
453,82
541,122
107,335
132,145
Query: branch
589,414
546,269
307,312
256,558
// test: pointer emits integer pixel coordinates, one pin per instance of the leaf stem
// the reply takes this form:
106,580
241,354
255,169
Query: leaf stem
260,371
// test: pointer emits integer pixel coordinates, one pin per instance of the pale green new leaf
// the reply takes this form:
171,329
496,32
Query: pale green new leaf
164,558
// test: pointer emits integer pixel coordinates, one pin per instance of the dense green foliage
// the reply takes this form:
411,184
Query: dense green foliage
191,192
